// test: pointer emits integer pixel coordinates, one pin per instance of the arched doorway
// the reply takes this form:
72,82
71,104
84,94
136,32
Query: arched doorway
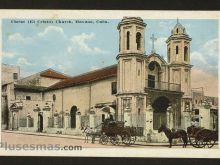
73,117
40,122
160,106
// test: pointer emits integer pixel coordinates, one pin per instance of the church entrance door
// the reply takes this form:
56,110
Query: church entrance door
73,117
160,106
40,122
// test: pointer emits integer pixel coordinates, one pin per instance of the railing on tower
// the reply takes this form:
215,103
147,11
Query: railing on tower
161,85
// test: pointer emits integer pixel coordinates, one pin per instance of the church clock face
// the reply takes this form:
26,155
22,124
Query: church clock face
151,66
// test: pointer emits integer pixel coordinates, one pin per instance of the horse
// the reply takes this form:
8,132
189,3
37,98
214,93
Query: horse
174,135
91,132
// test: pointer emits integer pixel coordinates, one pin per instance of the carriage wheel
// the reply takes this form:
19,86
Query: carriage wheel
192,141
104,139
115,140
126,137
210,143
133,140
200,144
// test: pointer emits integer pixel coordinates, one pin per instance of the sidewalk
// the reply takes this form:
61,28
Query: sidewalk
81,137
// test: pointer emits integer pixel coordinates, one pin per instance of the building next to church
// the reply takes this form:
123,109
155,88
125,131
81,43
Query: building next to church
10,74
142,89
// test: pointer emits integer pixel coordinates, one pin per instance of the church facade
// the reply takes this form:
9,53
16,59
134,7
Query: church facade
143,90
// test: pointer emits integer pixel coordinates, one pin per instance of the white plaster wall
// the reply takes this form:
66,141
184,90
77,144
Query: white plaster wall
80,96
101,91
204,117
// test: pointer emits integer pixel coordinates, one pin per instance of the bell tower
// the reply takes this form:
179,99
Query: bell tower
178,57
131,65
178,46
131,34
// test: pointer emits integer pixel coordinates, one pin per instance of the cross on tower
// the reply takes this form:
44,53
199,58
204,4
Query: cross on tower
153,39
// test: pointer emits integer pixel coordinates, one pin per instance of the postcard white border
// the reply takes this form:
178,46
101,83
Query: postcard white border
116,14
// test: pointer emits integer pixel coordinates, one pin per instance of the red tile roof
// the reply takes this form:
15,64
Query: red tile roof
53,74
87,77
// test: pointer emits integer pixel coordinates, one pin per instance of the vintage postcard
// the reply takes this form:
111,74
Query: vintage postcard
109,83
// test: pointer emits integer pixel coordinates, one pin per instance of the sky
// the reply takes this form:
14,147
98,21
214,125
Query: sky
74,48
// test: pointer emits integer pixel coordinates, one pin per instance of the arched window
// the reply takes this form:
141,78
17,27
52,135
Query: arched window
177,50
73,117
128,40
103,117
168,54
177,30
54,97
185,53
138,40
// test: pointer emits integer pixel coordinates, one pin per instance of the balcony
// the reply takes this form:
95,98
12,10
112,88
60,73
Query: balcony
160,85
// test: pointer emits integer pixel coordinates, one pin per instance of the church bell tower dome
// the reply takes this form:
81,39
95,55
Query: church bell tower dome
179,29
178,45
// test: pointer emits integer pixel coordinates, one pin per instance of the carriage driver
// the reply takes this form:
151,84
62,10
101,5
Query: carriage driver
194,122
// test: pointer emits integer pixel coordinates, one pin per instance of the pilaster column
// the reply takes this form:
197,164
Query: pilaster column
187,119
28,120
36,110
46,115
78,120
170,117
56,123
127,117
66,120
15,120
92,119
149,118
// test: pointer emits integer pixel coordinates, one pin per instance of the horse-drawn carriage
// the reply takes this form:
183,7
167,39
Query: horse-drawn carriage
198,137
116,132
201,138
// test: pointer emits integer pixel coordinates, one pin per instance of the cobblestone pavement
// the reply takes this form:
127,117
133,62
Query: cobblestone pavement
18,138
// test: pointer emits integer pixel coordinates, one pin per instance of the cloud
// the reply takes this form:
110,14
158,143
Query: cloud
18,38
203,79
211,48
23,61
8,54
166,25
159,46
198,57
62,68
51,30
94,68
70,49
206,58
50,64
81,42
